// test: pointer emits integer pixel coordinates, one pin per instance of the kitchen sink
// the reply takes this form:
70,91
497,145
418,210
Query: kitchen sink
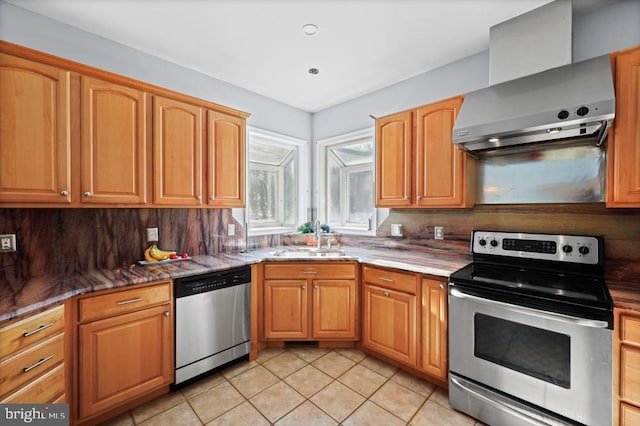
307,253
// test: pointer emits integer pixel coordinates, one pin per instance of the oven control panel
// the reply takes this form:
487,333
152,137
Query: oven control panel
559,248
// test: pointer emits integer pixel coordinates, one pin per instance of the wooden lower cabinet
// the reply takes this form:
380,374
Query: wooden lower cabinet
310,301
33,358
626,367
390,314
434,328
126,355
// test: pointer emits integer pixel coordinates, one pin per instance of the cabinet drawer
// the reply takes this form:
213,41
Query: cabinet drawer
630,329
35,328
389,279
111,304
48,388
312,270
30,363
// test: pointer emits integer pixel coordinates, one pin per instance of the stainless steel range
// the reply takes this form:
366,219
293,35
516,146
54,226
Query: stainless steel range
530,331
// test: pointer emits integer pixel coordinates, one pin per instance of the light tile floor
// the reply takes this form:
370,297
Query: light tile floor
303,386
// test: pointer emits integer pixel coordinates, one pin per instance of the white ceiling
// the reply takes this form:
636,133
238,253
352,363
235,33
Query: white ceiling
361,45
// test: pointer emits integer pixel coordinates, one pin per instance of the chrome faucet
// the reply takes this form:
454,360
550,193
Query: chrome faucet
317,234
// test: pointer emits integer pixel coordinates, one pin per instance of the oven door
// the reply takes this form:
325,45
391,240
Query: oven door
554,361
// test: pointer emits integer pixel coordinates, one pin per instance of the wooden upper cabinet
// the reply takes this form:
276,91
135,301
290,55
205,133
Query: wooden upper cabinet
114,143
394,138
177,152
624,142
35,139
441,169
417,163
225,160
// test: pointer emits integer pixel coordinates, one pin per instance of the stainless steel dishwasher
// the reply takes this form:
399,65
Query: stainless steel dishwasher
213,321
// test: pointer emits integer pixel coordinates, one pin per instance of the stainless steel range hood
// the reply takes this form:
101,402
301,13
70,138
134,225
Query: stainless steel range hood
564,104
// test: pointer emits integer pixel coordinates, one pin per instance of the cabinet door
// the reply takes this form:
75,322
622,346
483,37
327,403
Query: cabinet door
123,357
334,309
393,160
390,323
441,169
286,309
35,139
226,156
434,328
177,153
624,145
114,143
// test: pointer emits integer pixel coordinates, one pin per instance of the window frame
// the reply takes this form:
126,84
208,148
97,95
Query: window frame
299,146
323,147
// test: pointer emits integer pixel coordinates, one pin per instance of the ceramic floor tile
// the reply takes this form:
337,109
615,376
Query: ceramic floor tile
277,401
379,367
362,380
353,354
398,400
123,419
414,383
309,354
441,396
156,406
238,368
202,385
284,364
243,414
210,404
253,381
370,414
338,400
308,380
306,414
268,353
432,414
181,414
333,364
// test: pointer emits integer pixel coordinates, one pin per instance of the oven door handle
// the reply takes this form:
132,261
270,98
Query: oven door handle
528,311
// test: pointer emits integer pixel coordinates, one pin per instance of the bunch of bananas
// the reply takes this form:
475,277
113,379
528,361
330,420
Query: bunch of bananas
154,254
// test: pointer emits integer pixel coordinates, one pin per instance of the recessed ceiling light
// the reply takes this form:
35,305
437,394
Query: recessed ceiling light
309,29
314,71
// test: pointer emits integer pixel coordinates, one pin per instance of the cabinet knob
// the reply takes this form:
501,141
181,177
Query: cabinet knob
406,197
212,198
87,194
315,286
167,314
418,198
304,287
198,197
386,294
64,192
442,286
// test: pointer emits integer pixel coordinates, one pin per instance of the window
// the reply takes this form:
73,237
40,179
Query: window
346,176
276,188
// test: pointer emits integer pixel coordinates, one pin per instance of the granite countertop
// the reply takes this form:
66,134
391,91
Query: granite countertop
46,290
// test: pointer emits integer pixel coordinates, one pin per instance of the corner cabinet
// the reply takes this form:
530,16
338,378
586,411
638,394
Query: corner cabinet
626,378
125,347
310,301
35,130
114,143
624,142
417,164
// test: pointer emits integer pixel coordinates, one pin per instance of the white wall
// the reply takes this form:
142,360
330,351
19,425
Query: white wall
29,29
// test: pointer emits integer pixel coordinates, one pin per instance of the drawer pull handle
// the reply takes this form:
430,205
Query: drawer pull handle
126,302
389,280
386,294
310,272
42,327
42,361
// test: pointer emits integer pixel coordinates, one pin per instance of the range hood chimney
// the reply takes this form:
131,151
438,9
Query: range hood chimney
558,102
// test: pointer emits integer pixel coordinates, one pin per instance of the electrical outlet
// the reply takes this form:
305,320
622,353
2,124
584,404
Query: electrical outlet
396,230
231,230
438,233
152,234
7,243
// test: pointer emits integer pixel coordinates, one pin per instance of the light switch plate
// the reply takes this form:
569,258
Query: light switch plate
152,234
396,230
7,243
